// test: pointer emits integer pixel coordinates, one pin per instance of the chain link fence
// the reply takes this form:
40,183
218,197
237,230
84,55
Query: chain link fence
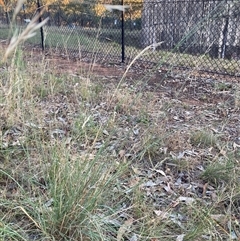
202,35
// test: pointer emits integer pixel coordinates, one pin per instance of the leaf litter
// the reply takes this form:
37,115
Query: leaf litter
165,136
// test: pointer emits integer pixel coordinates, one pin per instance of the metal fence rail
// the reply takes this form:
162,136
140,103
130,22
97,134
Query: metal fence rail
200,34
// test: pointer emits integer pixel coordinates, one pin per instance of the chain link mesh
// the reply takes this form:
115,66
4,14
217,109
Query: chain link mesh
197,34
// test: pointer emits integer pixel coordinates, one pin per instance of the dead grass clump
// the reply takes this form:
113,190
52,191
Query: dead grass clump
176,141
126,101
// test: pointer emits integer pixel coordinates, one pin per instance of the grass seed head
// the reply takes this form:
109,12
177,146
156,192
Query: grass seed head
27,33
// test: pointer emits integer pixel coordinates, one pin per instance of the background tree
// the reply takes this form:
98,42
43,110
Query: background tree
8,6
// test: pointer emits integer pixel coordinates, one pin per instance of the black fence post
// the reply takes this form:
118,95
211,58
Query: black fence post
59,9
40,20
24,11
123,44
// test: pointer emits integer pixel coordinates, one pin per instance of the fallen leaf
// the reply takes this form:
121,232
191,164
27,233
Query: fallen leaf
134,182
159,171
180,237
167,188
136,132
161,214
68,141
136,171
133,238
218,217
235,145
187,200
57,133
49,202
124,228
105,132
204,189
149,184
223,152
121,153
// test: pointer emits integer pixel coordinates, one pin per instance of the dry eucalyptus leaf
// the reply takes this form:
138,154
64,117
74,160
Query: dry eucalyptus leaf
235,145
149,184
121,153
134,238
136,171
160,171
105,132
124,229
161,214
187,200
180,237
49,203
